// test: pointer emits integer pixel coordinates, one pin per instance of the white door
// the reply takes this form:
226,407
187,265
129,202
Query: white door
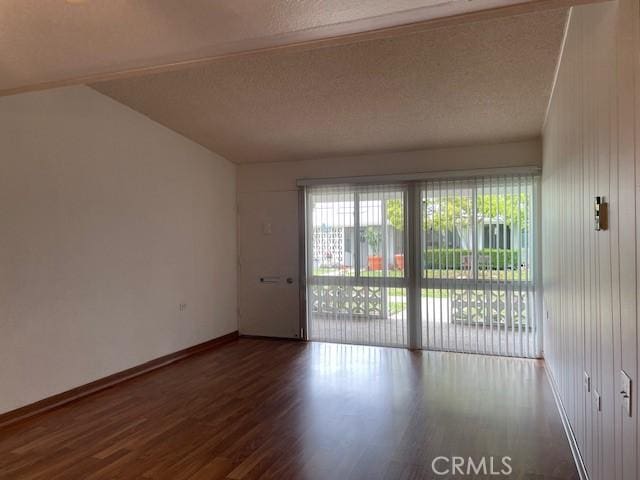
268,274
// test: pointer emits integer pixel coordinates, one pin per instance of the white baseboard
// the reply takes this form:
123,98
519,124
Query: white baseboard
573,444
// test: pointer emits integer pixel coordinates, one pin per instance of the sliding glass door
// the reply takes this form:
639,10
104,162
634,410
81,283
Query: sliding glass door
441,264
356,276
477,279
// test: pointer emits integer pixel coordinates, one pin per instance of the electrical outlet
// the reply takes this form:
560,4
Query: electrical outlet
626,392
587,382
182,307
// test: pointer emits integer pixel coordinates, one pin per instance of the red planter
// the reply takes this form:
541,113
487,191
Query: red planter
375,262
399,259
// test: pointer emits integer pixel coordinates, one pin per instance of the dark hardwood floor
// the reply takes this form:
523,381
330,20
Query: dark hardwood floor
278,409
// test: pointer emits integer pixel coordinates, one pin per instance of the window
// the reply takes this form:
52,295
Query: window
472,287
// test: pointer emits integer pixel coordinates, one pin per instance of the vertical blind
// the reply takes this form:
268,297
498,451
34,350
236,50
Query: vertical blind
463,275
356,283
477,277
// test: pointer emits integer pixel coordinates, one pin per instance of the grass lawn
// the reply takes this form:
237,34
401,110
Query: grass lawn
396,307
496,275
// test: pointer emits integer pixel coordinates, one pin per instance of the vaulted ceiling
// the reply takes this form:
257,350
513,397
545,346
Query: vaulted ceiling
52,42
270,80
479,82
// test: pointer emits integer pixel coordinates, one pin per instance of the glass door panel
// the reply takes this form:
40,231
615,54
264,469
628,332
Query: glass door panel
477,289
357,292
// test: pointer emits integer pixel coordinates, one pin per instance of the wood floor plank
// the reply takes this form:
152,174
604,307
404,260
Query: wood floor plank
289,410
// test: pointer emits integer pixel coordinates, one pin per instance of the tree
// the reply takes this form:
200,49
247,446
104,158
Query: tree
395,214
373,236
456,211
447,213
513,210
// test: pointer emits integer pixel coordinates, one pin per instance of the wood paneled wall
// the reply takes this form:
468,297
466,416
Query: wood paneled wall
590,147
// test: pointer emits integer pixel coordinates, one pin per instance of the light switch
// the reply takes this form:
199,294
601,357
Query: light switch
626,392
266,228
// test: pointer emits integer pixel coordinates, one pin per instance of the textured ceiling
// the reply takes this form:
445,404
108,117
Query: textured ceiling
45,43
479,82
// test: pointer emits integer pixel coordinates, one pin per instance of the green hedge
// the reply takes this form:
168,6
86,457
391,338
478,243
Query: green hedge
451,258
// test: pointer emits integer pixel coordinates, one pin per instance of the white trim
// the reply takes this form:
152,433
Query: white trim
537,261
573,443
557,72
408,177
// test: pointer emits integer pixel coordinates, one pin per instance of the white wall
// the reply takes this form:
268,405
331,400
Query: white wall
108,221
591,145
267,195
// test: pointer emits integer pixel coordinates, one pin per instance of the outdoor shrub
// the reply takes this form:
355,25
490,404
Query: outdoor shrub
452,258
